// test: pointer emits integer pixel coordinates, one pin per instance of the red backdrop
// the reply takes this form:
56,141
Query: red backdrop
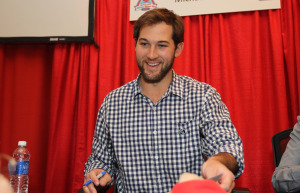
50,93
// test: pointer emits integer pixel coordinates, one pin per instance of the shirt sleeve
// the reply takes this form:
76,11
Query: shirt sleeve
220,135
102,155
286,177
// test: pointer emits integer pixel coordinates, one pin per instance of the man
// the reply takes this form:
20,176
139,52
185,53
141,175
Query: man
286,177
159,126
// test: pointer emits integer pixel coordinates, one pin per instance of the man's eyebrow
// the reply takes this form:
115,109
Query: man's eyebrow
143,39
161,41
164,42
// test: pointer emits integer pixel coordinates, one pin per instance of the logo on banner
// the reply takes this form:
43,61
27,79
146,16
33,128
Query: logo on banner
145,5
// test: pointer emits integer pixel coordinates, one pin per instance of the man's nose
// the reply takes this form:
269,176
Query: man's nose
152,53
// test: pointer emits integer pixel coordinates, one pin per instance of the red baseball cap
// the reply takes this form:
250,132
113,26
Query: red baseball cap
196,186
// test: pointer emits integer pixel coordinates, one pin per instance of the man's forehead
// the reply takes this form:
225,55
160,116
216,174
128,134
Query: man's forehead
156,24
159,30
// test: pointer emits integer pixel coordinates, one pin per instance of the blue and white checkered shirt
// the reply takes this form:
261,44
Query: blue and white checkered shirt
148,146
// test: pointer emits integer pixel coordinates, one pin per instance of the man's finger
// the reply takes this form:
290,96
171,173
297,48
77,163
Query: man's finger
227,184
86,189
105,180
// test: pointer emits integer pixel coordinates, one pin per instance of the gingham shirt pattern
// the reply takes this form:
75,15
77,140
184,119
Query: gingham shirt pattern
148,146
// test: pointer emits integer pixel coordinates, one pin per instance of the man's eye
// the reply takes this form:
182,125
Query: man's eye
143,44
162,45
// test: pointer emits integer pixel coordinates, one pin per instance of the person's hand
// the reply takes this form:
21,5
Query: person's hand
4,185
103,181
213,167
189,176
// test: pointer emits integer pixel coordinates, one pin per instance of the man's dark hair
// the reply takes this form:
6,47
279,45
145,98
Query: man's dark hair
159,15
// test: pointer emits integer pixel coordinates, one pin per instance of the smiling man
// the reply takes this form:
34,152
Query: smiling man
159,126
155,53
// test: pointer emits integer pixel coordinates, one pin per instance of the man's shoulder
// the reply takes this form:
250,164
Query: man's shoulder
191,83
123,91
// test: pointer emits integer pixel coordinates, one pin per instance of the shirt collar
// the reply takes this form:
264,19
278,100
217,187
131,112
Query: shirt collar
175,88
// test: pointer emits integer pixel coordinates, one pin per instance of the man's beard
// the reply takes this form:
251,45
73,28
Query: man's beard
158,77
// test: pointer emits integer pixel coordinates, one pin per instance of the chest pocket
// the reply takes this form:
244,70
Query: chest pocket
188,136
184,147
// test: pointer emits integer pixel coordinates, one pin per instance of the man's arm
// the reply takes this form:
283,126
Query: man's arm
220,135
102,154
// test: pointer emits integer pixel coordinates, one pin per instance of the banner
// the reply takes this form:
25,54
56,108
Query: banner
200,7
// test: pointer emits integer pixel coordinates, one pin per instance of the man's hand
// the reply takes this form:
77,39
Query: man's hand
219,164
103,181
4,185
189,176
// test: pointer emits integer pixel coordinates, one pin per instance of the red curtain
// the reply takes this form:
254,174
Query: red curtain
25,79
50,94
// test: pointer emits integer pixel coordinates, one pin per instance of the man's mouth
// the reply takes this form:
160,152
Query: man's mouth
153,64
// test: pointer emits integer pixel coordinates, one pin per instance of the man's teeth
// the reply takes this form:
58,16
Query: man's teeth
152,64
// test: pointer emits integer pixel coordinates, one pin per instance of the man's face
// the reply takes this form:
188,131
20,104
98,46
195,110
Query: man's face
155,52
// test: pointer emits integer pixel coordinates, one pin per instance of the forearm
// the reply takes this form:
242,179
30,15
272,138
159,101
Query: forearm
286,179
101,157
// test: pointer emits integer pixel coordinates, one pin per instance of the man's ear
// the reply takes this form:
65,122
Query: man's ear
179,49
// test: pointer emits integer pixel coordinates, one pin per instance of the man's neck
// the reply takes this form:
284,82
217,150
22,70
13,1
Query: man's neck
155,90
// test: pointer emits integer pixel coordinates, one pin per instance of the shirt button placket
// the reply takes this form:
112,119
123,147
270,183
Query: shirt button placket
155,150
